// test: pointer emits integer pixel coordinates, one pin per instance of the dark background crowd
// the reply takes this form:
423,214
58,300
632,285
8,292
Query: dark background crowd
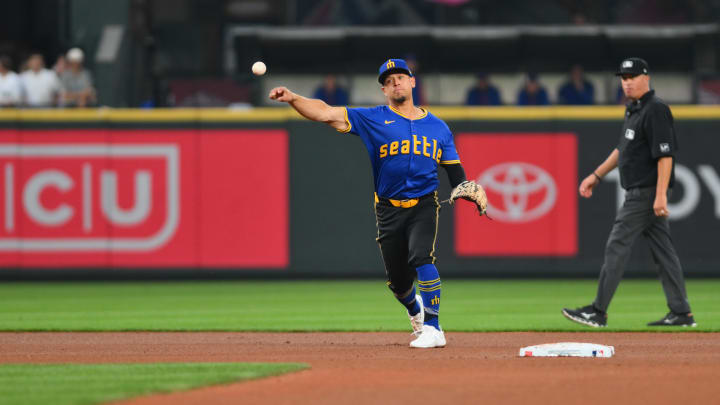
159,53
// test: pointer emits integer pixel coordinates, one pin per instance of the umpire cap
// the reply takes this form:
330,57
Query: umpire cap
633,66
392,66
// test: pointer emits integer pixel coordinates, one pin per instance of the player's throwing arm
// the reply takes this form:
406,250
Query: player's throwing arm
312,109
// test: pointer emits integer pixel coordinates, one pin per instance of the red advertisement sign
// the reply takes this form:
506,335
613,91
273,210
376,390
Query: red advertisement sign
531,183
143,198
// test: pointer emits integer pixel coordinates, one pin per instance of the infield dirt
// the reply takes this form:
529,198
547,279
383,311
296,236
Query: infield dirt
362,368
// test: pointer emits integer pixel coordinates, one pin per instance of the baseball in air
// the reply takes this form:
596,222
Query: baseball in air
259,68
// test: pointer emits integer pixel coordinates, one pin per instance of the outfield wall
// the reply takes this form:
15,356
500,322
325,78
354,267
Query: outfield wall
265,192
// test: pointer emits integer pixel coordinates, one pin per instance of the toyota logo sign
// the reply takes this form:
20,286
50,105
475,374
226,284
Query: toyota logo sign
531,183
516,183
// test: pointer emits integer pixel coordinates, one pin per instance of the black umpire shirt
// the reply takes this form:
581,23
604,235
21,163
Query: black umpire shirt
648,134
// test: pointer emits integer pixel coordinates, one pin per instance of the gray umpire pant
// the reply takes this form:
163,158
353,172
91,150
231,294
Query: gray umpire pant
636,217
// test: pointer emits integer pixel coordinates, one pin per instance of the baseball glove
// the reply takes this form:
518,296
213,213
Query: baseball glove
471,191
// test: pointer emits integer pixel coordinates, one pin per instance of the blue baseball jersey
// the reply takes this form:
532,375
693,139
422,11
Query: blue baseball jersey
404,153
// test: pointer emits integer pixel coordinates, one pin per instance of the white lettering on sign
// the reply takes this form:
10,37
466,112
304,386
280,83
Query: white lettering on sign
691,186
143,199
31,198
712,181
71,194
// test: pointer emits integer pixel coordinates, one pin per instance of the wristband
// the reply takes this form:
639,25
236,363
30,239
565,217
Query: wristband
598,177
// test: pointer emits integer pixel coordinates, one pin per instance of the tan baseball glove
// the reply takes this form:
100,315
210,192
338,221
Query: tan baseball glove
471,191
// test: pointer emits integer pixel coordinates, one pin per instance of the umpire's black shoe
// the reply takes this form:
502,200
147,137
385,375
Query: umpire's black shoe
673,319
587,316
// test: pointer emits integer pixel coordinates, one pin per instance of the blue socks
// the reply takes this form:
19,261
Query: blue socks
429,286
410,303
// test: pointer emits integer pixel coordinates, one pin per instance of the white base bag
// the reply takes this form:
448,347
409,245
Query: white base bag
567,349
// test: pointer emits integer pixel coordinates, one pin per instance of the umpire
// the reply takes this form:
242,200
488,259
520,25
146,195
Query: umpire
645,158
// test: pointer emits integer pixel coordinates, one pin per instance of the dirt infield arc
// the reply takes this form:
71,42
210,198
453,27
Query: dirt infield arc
361,368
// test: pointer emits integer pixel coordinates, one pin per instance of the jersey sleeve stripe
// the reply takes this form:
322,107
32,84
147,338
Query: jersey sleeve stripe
449,162
349,127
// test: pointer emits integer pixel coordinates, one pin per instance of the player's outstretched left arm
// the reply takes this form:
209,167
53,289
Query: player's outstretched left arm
312,109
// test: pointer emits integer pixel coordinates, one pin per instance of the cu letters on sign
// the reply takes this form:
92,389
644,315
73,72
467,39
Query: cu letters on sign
143,198
53,178
70,172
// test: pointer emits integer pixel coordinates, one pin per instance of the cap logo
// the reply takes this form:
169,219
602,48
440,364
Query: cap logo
627,64
390,64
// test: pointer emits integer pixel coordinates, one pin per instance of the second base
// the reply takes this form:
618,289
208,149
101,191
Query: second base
567,349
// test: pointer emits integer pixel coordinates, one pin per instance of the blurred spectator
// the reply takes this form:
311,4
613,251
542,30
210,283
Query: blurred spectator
417,93
579,18
10,87
483,93
331,93
77,88
532,93
41,86
578,90
60,64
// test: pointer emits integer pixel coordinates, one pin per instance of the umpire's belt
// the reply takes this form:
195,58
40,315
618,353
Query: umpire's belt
406,203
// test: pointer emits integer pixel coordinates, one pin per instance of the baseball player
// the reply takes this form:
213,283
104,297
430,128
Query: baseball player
645,158
406,144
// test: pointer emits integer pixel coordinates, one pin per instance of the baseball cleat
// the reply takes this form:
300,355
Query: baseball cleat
416,321
588,316
673,319
429,338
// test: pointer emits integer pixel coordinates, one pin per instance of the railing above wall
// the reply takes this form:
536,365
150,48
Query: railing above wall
269,114
684,48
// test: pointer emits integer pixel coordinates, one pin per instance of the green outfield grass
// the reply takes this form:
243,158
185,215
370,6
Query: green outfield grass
62,384
468,305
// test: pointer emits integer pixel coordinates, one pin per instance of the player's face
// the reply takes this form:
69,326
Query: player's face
398,87
635,86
